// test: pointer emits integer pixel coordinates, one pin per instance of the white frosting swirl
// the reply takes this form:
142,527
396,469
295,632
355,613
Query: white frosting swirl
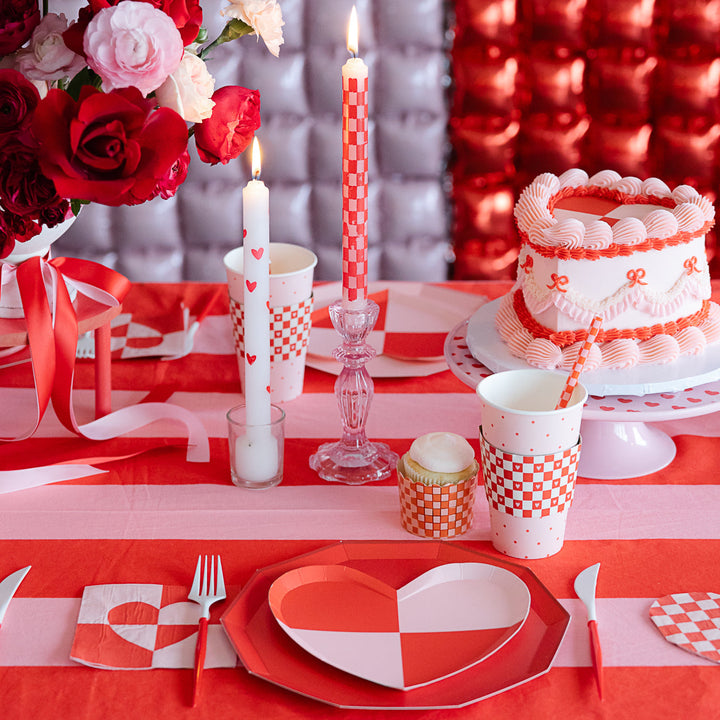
661,224
598,235
630,185
629,231
569,233
684,193
622,353
690,217
655,186
575,177
542,353
605,179
691,340
443,452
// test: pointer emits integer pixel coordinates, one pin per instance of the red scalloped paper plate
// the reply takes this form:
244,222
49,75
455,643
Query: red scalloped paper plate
268,652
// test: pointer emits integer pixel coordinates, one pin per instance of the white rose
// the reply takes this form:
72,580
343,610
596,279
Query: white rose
263,16
188,90
47,58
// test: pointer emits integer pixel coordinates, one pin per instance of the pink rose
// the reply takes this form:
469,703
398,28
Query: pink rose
47,57
188,90
230,128
133,44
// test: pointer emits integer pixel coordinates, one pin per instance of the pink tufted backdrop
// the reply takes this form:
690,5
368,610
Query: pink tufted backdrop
405,46
546,85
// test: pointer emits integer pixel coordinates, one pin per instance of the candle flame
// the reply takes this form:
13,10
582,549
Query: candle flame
255,158
352,36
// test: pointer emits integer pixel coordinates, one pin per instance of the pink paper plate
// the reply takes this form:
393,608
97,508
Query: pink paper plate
443,621
268,652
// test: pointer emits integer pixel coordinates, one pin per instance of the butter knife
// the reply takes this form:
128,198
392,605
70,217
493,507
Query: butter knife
8,587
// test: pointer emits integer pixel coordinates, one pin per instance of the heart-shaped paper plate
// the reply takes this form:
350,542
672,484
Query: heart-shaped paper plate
691,621
442,622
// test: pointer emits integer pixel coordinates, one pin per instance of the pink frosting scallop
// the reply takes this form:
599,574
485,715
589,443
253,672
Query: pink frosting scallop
659,350
661,224
568,233
622,353
708,210
542,353
630,185
570,354
629,231
655,186
690,217
691,340
537,231
598,235
605,178
684,193
511,330
575,177
711,325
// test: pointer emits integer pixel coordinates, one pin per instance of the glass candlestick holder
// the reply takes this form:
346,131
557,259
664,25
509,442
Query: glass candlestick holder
354,459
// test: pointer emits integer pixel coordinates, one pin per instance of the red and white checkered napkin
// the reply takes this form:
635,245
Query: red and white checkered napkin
529,486
690,621
144,626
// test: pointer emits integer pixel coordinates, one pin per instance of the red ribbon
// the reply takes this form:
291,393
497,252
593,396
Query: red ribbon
52,335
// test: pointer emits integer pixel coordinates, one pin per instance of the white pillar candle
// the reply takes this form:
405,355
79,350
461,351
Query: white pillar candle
354,172
256,294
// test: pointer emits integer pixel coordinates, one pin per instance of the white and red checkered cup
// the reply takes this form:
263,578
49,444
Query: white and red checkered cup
291,280
436,511
529,498
529,457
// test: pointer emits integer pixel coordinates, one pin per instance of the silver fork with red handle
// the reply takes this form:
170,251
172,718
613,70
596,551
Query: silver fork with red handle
208,587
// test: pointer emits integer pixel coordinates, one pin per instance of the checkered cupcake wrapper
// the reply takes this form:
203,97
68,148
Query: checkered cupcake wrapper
436,511
529,486
289,329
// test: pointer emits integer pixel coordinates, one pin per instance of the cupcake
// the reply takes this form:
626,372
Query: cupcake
437,479
439,458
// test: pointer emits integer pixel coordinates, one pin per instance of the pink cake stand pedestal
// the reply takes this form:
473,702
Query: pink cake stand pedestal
618,442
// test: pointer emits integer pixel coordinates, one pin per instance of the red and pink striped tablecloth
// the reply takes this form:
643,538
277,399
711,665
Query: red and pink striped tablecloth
146,518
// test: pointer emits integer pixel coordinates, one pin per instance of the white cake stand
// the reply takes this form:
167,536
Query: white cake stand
617,442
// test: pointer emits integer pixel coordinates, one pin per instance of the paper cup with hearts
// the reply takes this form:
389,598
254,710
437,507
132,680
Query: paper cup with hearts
291,298
529,457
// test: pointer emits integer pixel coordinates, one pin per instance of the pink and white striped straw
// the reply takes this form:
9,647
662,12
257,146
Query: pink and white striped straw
582,357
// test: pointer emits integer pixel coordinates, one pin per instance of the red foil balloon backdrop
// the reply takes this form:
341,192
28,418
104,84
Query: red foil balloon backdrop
547,85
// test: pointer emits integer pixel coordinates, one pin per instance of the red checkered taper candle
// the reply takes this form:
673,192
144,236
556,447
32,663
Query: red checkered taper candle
354,172
582,357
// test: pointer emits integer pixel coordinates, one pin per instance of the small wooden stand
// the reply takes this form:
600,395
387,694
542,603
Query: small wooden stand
91,315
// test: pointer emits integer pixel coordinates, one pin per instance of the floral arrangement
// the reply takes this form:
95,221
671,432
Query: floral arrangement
100,109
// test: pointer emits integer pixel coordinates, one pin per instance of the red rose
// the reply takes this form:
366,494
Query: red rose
15,228
230,128
18,19
18,98
186,14
24,190
167,186
109,148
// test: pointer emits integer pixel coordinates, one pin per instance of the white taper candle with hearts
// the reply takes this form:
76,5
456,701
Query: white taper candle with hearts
256,294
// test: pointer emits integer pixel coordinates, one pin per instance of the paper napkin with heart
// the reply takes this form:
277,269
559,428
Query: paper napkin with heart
691,621
138,627
440,623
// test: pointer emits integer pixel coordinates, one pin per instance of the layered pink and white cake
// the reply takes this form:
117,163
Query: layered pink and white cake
630,251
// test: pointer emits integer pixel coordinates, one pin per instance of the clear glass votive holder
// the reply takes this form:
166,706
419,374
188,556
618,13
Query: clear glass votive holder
256,450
